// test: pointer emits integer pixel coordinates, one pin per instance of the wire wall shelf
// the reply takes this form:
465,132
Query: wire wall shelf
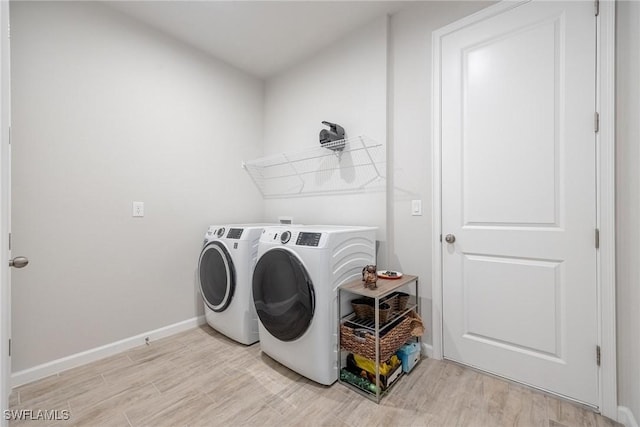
351,165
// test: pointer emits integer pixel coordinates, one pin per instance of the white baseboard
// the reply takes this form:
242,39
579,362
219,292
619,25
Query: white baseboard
50,368
427,349
625,416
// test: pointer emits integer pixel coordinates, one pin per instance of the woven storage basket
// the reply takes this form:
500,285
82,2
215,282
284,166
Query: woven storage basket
365,344
401,300
363,308
398,301
384,311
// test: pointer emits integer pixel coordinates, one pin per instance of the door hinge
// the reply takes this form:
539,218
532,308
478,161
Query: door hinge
596,122
598,355
441,238
597,7
9,347
597,238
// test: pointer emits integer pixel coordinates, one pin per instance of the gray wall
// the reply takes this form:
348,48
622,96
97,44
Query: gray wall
628,203
107,111
346,84
410,236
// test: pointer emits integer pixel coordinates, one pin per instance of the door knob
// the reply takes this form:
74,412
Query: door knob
450,238
18,262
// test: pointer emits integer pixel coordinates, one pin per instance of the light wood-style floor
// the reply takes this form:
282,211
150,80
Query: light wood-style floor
201,378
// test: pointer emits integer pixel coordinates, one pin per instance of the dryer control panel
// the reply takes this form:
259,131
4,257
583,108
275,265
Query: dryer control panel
308,239
285,236
282,235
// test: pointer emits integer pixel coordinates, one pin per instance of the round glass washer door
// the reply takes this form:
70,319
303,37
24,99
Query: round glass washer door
283,294
217,276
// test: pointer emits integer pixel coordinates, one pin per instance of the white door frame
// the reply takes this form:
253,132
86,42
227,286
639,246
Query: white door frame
605,140
5,291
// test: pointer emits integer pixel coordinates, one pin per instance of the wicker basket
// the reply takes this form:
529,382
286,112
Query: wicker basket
398,301
384,311
401,300
363,342
365,310
363,307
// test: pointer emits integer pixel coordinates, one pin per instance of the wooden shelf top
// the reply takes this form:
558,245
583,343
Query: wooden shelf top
385,286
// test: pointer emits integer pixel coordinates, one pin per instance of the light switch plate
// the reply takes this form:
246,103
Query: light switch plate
416,207
138,209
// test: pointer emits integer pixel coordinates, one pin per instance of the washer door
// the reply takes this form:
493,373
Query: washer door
283,294
217,276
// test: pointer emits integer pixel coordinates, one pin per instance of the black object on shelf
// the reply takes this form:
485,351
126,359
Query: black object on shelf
328,137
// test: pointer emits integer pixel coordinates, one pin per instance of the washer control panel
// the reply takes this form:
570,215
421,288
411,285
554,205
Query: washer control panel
234,233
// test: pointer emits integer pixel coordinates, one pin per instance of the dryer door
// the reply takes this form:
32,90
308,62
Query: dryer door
216,275
283,294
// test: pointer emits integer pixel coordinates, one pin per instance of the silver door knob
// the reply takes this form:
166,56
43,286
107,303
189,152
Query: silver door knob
450,238
18,262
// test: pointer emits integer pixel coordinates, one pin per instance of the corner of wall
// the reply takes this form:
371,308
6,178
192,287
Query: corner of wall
626,417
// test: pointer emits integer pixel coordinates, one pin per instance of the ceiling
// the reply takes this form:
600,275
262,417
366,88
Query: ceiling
259,37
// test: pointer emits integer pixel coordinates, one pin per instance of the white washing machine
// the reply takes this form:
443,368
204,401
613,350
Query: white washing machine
295,292
225,268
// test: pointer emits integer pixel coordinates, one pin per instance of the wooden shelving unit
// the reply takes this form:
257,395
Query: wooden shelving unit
385,290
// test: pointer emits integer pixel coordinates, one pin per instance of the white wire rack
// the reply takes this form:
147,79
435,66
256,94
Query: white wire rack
359,166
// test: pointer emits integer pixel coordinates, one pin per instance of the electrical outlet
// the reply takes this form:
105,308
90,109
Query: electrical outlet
138,209
416,207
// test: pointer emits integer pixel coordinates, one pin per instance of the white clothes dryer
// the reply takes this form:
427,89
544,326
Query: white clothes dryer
295,284
225,268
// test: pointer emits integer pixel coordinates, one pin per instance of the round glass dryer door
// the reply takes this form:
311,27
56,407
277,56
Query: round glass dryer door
283,294
217,276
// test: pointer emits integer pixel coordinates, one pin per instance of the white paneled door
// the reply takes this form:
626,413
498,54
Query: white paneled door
519,196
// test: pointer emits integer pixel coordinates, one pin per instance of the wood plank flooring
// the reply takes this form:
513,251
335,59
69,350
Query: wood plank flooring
201,378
